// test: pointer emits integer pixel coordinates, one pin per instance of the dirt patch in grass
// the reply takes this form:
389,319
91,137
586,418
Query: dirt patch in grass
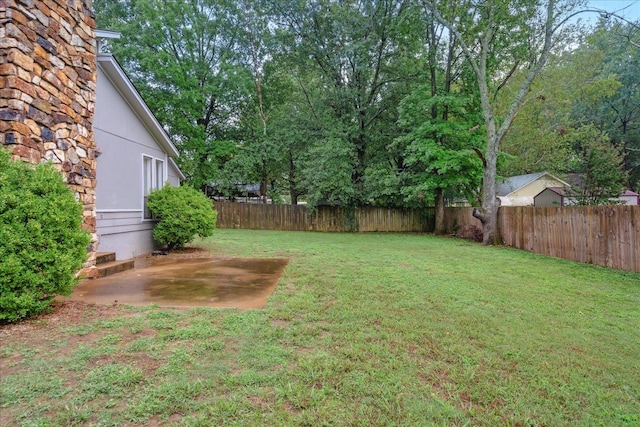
61,313
80,347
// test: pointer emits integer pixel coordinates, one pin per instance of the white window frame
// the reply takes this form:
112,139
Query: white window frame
154,177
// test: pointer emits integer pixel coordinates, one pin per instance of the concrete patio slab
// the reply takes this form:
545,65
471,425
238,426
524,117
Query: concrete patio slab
193,282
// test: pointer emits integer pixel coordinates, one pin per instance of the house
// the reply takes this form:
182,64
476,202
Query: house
520,190
66,103
560,196
630,198
47,86
135,157
557,196
243,193
551,196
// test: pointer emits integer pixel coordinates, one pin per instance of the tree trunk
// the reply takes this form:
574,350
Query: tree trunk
293,187
361,142
489,220
264,184
488,213
440,226
551,23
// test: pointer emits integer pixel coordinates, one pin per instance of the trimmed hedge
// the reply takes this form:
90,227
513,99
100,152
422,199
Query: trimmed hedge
42,245
183,213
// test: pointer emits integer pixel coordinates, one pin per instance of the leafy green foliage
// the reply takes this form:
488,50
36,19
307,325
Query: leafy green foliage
182,58
600,165
442,149
183,214
497,43
302,97
328,180
617,112
226,78
364,56
572,90
42,245
596,83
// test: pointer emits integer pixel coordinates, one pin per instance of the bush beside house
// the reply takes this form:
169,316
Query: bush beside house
183,213
42,244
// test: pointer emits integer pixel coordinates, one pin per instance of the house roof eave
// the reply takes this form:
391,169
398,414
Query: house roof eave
123,84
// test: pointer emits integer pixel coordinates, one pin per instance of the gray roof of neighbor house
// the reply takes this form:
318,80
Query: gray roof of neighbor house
513,183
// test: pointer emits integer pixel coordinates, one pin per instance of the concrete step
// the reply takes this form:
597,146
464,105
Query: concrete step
113,267
105,257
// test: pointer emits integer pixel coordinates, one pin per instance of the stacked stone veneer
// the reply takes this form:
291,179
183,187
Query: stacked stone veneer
48,90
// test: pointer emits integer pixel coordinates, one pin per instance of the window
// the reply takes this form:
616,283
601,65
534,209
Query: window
153,179
159,182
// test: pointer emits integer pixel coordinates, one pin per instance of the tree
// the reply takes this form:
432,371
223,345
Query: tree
361,57
599,167
296,124
183,58
503,39
442,147
258,159
617,112
443,125
555,106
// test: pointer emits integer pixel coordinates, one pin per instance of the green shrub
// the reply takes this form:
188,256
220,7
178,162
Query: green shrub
42,245
183,213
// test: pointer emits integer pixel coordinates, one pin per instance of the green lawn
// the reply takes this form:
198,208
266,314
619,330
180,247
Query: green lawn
363,329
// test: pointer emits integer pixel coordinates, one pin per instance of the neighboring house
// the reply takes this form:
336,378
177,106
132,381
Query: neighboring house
627,198
551,196
630,198
244,193
520,190
136,157
557,196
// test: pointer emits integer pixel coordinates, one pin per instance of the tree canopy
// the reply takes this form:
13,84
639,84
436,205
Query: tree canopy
380,102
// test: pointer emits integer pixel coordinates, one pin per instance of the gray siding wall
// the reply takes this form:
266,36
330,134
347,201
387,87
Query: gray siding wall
123,232
173,177
124,141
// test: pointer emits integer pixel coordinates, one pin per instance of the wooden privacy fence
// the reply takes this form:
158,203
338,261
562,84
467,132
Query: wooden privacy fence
603,235
324,218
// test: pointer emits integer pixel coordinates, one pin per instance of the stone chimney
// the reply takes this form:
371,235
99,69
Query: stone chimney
48,91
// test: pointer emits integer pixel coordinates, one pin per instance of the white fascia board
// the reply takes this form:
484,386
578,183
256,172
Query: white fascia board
106,34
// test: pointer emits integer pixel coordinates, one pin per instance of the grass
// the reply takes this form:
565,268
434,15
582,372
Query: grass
363,329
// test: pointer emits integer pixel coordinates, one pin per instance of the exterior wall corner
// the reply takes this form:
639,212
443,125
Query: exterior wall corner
48,92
